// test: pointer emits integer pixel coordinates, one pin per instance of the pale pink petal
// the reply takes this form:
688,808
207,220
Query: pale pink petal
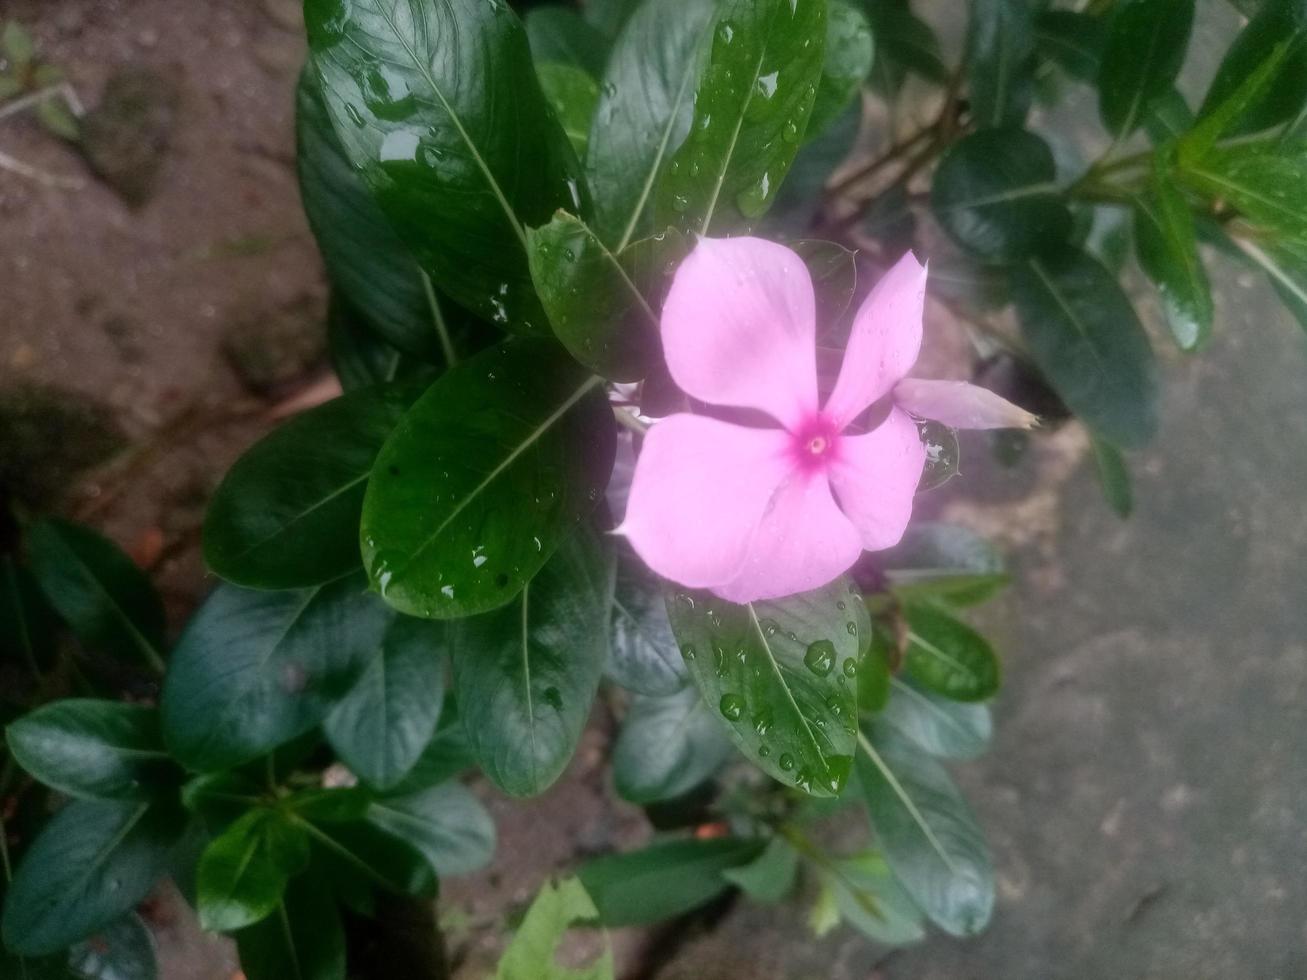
700,490
738,328
875,477
803,542
883,343
961,405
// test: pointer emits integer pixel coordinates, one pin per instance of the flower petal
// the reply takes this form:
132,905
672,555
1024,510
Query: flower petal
700,490
883,343
875,477
803,542
961,405
738,328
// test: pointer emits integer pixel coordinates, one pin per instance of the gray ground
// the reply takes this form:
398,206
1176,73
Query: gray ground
1143,796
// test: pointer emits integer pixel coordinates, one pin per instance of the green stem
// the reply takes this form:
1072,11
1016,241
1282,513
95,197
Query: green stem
629,421
437,317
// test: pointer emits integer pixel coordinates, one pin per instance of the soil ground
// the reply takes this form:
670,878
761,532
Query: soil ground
1145,790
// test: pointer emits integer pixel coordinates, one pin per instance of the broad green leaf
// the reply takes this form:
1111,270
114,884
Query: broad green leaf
1169,118
1000,61
123,950
872,902
780,675
362,851
416,91
850,52
96,749
935,725
667,747
573,94
996,194
389,716
643,656
221,798
286,515
27,623
959,278
243,872
799,202
255,669
609,16
1277,22
1072,39
1145,47
365,258
93,862
329,804
947,656
770,877
301,940
445,756
483,477
560,35
1114,478
446,823
750,114
532,953
1086,339
874,670
928,836
904,43
1225,117
943,561
943,454
891,221
1167,246
359,356
663,880
645,107
594,298
525,675
97,590
1265,182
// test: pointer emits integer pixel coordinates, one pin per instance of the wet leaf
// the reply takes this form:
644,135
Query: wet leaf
1000,60
947,656
1145,47
244,870
1167,246
446,823
667,746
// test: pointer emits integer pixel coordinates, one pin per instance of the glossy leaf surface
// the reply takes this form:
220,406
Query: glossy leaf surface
943,561
1167,245
947,656
781,676
446,823
1276,22
667,747
526,675
850,52
243,872
643,656
301,940
574,95
560,35
934,724
1145,47
1000,51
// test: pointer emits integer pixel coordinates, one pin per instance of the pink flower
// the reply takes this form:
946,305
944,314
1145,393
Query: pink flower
759,513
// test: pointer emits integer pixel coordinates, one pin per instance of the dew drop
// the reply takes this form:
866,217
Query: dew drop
732,706
553,698
688,652
762,722
764,751
840,605
786,761
820,657
850,667
852,628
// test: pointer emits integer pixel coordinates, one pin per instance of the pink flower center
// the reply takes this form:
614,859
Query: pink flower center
815,444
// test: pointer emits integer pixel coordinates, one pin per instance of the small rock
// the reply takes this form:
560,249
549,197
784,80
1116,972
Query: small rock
127,136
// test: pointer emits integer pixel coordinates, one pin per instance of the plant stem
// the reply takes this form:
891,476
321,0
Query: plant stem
628,420
437,317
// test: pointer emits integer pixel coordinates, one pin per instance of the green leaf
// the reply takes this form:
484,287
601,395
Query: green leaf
573,94
1169,118
779,675
389,716
799,202
123,950
1225,116
96,749
445,756
93,862
1073,40
904,43
869,899
947,656
1265,182
255,669
594,298
97,590
928,836
286,515
750,113
645,107
243,872
667,747
364,256
447,824
770,877
562,36
1086,339
55,116
483,477
943,454
1276,23
1000,60
301,940
873,670
525,675
935,725
1145,47
643,656
850,52
959,278
423,121
359,356
1114,478
996,195
532,953
663,880
27,623
944,561
18,47
1167,246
